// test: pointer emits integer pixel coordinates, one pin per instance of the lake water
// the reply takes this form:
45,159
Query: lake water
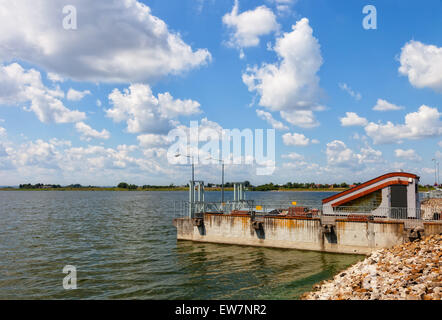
123,245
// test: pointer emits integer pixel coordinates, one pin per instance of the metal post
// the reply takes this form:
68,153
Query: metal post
191,197
222,179
435,180
196,191
191,185
222,184
234,192
193,170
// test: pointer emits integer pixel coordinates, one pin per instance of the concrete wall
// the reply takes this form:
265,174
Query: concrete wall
304,234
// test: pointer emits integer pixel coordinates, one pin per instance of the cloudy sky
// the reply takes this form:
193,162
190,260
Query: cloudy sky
94,103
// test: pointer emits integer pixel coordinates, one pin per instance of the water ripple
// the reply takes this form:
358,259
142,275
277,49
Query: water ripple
124,246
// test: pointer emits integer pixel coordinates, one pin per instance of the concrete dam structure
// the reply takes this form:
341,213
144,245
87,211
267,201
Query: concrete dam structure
379,213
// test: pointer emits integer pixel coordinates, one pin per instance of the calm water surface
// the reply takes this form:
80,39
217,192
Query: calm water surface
124,246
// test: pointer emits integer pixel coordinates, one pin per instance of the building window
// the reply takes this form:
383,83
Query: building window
364,204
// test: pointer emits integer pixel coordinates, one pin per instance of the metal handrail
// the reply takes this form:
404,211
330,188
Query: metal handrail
181,209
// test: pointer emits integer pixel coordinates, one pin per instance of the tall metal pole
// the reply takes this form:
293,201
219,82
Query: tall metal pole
222,177
435,180
438,173
193,170
222,185
191,185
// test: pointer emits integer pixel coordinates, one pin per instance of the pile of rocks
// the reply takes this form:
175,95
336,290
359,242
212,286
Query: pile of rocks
410,271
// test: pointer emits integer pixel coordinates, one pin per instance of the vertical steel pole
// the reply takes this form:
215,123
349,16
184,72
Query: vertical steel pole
191,198
193,170
193,188
222,184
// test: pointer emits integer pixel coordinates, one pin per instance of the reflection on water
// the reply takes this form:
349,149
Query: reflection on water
124,246
242,272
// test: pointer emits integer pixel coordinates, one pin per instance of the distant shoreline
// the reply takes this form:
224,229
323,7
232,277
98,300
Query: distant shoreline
167,189
179,189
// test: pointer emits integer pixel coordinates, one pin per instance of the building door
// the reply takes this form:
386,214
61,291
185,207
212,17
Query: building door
398,201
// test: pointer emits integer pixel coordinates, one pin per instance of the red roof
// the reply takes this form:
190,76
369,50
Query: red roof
370,182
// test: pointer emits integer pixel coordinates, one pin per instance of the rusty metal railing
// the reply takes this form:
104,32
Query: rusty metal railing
285,207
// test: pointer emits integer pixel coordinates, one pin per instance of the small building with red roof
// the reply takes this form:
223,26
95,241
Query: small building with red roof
393,195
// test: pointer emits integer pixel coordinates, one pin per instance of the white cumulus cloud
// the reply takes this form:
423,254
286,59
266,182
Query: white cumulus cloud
249,25
352,119
421,124
145,113
75,95
338,154
88,133
151,140
267,116
291,84
300,118
297,139
384,105
422,64
409,154
20,86
115,40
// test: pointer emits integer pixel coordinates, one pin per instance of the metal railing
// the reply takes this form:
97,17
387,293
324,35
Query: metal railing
380,212
433,194
186,208
260,207
396,213
181,208
263,207
281,207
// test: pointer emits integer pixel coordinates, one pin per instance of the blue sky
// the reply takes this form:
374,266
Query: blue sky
94,104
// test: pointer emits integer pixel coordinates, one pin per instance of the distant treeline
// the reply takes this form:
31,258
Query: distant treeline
301,185
51,186
313,185
121,185
124,185
247,184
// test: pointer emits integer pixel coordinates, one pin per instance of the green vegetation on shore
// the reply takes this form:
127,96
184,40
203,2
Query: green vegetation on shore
123,186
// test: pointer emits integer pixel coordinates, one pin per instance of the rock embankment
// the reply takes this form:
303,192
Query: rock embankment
410,271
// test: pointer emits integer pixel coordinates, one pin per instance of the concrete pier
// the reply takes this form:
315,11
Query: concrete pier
339,235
